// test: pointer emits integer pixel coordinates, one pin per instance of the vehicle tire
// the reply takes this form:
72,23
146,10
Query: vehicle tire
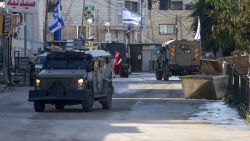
158,75
165,77
59,106
107,101
87,104
39,106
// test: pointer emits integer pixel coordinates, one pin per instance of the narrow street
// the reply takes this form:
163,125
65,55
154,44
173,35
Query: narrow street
143,110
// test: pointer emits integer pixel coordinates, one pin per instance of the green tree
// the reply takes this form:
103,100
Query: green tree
232,17
201,10
224,24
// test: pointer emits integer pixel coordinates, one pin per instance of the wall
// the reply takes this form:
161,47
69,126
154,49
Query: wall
35,25
158,17
146,56
106,10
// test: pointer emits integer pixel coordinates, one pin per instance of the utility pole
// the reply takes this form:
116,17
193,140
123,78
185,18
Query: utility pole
45,25
25,35
97,25
180,22
141,26
83,17
109,11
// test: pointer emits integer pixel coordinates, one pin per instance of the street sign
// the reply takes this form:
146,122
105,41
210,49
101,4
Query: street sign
23,6
89,12
7,24
1,24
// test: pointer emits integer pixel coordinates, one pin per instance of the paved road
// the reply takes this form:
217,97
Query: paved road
143,110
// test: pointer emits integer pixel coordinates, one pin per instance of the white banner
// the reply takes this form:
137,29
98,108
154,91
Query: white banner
23,6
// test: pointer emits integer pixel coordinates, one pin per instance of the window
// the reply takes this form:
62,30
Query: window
167,29
177,5
149,4
189,6
133,6
51,5
66,63
164,4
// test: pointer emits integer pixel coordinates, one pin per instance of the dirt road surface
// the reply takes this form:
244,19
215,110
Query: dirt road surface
143,110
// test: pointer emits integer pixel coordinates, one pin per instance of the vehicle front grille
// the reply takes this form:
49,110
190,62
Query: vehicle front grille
58,83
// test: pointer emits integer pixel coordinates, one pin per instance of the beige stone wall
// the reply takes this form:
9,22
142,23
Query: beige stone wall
183,21
72,14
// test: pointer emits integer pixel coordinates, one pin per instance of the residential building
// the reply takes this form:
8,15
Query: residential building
170,19
102,11
107,17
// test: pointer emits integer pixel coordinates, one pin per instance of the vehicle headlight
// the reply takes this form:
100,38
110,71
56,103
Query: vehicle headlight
80,83
38,82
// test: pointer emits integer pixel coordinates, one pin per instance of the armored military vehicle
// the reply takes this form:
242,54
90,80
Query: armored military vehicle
178,58
40,60
37,67
70,78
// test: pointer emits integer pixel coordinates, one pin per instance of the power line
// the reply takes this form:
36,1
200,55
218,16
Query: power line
164,11
107,5
165,15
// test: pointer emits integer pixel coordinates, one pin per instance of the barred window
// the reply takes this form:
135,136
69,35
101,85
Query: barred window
167,29
133,6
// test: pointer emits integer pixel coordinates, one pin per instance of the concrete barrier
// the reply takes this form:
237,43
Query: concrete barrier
205,86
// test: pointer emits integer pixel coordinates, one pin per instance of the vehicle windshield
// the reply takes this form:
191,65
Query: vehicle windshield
40,60
65,63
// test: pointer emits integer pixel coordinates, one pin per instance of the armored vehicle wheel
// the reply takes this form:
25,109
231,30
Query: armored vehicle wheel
88,103
158,75
39,106
59,106
107,101
166,77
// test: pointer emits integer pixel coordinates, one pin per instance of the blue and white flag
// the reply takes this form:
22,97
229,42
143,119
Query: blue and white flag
57,22
198,32
130,17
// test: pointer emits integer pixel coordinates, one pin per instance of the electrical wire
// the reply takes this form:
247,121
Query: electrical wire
170,14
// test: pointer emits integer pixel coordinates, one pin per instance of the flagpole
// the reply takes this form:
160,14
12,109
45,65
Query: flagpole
45,25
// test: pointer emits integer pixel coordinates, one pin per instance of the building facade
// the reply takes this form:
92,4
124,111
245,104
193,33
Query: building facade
162,20
170,19
106,24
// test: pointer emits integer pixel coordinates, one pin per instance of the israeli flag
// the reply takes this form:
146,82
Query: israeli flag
57,22
130,17
198,32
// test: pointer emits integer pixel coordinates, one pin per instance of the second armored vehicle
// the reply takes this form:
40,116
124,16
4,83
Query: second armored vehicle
178,58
